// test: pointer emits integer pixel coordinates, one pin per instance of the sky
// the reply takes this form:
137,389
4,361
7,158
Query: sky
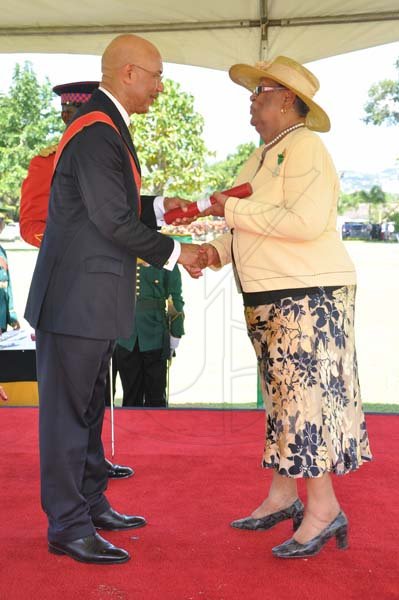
344,84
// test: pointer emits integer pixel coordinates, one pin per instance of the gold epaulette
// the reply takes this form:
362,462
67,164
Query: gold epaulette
49,150
141,262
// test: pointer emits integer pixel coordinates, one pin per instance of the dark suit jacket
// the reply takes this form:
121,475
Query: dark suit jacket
84,280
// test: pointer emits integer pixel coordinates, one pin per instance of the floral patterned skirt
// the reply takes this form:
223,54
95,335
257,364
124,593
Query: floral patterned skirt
308,371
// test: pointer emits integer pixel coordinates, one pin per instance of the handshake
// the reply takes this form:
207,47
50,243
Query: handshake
196,257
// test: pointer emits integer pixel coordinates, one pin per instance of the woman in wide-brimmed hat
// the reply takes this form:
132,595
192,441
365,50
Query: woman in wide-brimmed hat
298,286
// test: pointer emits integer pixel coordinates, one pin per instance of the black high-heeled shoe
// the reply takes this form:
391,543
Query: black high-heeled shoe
293,549
294,512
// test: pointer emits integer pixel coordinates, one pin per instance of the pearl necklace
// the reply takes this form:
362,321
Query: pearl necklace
280,135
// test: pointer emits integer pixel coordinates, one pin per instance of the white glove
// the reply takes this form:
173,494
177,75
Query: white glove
174,342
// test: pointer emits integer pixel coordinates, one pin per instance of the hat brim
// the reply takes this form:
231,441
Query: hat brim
78,87
249,77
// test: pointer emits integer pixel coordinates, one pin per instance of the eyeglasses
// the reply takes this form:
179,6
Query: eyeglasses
156,74
266,88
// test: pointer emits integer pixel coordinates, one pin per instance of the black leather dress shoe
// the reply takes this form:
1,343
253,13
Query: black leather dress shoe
91,549
293,549
294,512
118,471
113,521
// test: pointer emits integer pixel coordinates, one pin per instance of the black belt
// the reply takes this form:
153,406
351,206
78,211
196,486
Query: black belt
258,298
151,303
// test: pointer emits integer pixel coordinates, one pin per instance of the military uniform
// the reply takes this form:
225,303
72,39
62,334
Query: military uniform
35,194
8,315
35,191
142,358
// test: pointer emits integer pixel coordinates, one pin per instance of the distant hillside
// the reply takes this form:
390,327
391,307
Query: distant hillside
388,180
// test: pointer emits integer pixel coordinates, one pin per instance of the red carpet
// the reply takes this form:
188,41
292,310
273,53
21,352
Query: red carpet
195,472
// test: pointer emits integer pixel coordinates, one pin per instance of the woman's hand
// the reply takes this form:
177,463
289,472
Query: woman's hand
211,254
176,202
209,257
217,209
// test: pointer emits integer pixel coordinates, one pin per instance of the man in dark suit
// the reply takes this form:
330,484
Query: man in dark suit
35,194
83,290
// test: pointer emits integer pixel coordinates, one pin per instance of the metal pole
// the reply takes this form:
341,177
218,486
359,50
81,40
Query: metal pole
244,23
168,363
112,391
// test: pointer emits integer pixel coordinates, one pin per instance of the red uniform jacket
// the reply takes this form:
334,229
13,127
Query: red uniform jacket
35,194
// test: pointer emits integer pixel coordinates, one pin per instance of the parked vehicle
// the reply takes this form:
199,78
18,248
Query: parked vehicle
356,229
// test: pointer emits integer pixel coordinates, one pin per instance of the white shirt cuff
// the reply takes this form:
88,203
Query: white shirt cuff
172,260
159,210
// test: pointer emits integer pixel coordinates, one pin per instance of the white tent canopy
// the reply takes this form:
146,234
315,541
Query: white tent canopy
209,33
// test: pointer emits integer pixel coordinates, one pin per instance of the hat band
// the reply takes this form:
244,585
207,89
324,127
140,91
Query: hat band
75,98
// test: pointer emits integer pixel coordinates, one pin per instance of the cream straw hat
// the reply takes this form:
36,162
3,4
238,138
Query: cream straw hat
290,74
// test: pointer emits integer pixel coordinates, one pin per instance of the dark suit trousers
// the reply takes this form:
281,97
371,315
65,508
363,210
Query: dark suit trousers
143,376
71,376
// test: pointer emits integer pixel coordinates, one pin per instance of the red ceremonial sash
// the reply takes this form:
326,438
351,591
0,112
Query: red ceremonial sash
80,123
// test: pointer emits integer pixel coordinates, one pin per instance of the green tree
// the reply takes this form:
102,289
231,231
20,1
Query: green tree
28,122
394,217
348,202
376,199
221,175
170,146
382,106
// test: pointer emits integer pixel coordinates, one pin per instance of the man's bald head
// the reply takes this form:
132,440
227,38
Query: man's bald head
132,66
126,49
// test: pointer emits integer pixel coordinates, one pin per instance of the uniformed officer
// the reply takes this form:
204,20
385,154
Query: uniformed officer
158,326
35,193
8,315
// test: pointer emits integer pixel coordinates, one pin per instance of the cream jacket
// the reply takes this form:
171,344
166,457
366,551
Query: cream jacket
284,235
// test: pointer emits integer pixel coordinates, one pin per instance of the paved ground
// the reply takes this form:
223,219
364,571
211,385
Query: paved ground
215,361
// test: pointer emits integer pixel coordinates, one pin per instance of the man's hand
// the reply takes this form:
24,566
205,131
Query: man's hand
192,256
212,255
217,209
194,272
176,202
3,395
208,257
